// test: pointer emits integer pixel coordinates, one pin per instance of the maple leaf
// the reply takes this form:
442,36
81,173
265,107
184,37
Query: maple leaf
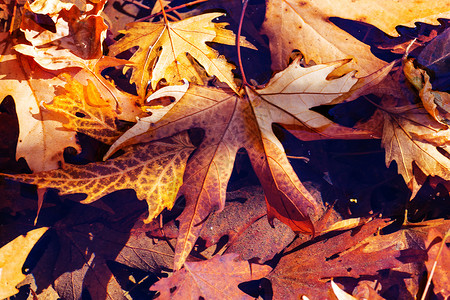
176,40
211,279
12,258
240,122
41,140
306,26
153,170
87,112
417,142
304,270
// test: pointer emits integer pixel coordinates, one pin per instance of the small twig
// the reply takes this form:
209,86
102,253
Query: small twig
171,9
238,42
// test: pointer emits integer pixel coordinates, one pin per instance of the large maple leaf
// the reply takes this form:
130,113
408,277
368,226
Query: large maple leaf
232,122
306,26
163,47
154,171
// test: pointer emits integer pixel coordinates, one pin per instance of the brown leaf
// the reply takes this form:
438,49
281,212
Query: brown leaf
306,26
12,258
247,228
305,270
153,170
435,102
216,278
438,261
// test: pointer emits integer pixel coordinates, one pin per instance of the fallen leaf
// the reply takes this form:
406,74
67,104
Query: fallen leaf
438,262
12,258
305,270
77,44
153,170
216,278
413,139
86,111
435,102
306,26
246,225
240,122
176,40
41,140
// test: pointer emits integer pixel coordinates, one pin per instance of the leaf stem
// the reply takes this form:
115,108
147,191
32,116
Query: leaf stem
238,42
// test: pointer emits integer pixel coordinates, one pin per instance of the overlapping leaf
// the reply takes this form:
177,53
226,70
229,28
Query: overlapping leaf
305,271
239,122
163,47
306,26
215,278
87,112
154,171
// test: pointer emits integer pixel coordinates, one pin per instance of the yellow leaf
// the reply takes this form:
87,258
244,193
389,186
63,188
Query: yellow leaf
87,112
163,44
41,140
154,170
12,258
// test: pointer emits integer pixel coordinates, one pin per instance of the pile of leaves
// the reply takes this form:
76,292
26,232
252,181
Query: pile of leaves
284,149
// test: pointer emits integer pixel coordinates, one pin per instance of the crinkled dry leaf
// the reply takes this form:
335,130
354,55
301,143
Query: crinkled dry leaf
216,278
176,40
306,26
414,139
154,170
12,258
435,102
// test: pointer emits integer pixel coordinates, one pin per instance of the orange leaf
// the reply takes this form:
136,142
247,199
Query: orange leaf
87,112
